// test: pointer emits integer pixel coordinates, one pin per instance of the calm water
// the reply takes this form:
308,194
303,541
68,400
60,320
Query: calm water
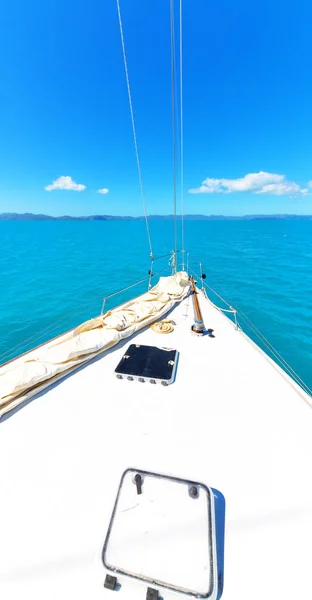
59,271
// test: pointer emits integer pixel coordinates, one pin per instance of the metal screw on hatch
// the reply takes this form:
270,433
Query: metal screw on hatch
193,492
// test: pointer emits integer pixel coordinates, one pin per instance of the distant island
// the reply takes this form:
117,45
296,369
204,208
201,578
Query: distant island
32,217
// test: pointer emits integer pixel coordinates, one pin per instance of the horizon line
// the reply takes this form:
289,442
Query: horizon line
42,216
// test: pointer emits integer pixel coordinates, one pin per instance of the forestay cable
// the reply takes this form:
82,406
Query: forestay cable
134,129
181,139
173,128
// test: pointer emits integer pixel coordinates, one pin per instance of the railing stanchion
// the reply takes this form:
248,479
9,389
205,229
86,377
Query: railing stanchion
103,306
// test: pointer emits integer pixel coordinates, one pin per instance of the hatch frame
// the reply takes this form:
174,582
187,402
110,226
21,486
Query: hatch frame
212,591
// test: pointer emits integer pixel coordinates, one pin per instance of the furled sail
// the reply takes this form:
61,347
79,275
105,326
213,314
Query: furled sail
25,376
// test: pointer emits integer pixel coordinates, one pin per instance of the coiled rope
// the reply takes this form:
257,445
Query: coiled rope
162,327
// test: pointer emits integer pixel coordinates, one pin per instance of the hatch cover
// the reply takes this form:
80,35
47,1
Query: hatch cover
148,363
162,532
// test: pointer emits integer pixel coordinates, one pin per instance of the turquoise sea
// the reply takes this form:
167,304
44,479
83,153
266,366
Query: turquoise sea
55,273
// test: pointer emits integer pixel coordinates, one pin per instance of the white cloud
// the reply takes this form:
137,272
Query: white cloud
65,183
309,184
256,183
103,191
279,189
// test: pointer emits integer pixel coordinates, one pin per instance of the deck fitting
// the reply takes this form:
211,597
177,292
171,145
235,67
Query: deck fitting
138,482
198,327
110,582
151,594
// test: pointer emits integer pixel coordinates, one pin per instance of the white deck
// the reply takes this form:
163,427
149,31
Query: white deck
231,420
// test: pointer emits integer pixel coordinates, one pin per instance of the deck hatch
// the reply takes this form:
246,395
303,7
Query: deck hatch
163,536
148,364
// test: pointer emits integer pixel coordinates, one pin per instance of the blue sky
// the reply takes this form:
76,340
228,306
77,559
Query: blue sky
64,108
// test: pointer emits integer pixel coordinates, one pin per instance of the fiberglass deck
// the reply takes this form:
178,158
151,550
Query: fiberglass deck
230,420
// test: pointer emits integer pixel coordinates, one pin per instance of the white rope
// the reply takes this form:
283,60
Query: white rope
134,130
181,138
173,123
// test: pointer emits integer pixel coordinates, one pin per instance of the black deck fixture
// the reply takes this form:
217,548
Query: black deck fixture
138,483
151,594
110,582
148,363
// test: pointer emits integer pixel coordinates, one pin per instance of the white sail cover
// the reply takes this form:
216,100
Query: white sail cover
25,376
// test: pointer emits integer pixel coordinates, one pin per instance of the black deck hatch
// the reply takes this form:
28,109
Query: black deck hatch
148,363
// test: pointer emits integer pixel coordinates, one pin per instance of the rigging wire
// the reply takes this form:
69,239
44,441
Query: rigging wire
134,129
275,352
55,326
181,137
42,332
174,145
286,366
242,316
